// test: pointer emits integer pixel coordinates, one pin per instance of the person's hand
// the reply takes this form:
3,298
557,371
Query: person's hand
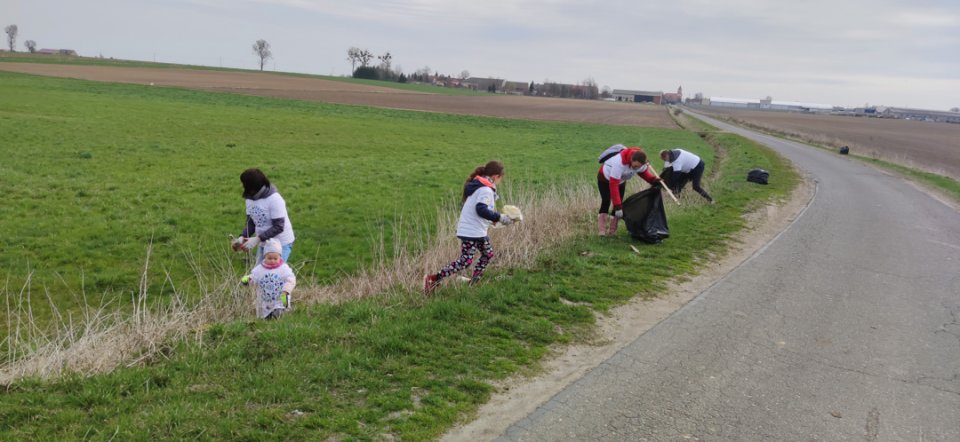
251,243
618,213
237,243
505,220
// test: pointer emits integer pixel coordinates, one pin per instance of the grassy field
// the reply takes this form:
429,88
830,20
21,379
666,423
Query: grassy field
96,172
397,366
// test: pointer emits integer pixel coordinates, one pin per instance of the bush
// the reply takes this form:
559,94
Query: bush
367,72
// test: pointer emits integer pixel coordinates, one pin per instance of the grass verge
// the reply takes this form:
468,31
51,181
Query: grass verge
396,365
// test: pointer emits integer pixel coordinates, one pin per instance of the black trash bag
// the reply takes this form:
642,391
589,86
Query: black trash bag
644,216
673,181
844,150
758,176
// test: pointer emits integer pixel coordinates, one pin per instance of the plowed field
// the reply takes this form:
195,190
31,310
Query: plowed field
316,89
934,147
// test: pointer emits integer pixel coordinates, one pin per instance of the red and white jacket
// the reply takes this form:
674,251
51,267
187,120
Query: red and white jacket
617,170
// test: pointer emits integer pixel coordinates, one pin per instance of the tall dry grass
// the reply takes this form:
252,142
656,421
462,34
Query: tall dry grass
551,216
106,335
103,337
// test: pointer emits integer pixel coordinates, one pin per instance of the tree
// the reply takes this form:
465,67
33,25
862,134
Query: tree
262,49
31,46
364,57
955,109
11,36
465,74
353,56
385,60
423,73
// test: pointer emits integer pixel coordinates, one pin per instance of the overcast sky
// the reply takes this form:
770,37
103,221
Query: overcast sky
840,52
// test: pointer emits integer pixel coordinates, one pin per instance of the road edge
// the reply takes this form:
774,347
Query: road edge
519,396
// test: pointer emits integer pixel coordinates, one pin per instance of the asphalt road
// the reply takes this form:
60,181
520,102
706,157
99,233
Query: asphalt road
845,327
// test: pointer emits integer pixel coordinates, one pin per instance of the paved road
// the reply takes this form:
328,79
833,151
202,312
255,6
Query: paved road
845,327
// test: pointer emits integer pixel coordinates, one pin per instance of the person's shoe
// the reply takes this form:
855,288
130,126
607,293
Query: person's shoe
612,226
429,283
475,280
602,222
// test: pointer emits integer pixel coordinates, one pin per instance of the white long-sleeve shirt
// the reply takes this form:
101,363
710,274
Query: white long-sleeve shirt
270,285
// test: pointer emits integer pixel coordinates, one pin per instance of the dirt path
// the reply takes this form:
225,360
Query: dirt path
341,92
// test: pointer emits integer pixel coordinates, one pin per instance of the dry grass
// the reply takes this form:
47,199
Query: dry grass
549,219
102,338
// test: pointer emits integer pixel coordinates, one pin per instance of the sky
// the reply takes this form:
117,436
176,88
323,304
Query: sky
839,52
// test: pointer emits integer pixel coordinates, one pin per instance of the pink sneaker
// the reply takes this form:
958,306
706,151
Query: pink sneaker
429,283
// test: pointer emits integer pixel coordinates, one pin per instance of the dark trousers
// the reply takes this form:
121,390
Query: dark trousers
680,179
604,187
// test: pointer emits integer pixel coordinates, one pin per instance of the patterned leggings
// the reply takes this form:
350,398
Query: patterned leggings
469,247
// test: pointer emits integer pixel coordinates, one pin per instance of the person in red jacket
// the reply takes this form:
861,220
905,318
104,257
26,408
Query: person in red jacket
615,169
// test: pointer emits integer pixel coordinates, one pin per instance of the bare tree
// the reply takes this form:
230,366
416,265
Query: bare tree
353,56
31,46
364,58
424,71
955,109
11,36
385,61
465,74
262,49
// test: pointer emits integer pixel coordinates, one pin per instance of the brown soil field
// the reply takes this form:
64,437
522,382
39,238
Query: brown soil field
331,91
933,147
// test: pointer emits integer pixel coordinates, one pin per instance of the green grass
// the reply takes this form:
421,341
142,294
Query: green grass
398,365
95,172
948,185
99,169
94,61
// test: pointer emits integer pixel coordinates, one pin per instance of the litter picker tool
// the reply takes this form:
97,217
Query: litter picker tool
664,185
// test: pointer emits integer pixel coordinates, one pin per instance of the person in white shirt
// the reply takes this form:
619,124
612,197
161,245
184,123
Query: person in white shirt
274,282
685,166
266,216
476,216
618,164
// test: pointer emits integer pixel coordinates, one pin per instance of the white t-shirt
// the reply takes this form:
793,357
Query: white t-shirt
264,211
615,168
685,162
270,285
471,224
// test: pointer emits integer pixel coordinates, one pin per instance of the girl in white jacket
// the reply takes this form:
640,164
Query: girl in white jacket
274,282
476,216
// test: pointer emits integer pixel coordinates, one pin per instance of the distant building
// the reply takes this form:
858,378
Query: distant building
484,84
769,104
515,87
904,113
671,98
638,96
